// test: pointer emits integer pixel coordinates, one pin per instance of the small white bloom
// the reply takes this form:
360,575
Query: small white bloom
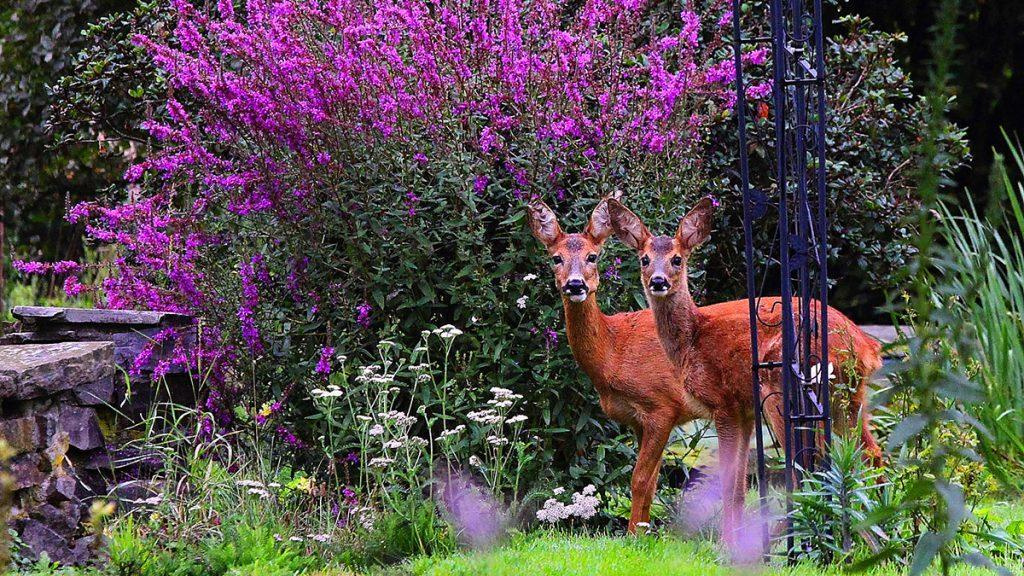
558,490
363,417
497,440
529,277
376,430
274,485
320,537
475,461
259,492
296,538
249,483
517,419
521,302
381,462
394,444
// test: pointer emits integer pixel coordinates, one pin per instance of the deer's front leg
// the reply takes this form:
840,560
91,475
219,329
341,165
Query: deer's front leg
729,433
645,473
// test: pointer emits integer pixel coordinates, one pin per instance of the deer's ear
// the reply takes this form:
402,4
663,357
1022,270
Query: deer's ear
695,227
600,226
543,222
627,226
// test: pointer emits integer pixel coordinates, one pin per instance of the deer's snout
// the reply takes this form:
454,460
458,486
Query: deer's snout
659,285
575,289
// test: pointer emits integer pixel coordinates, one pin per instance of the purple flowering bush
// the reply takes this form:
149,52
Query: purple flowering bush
327,174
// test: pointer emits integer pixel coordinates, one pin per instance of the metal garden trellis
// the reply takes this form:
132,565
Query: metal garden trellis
799,194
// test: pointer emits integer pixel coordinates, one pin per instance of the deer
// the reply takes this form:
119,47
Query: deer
710,349
619,353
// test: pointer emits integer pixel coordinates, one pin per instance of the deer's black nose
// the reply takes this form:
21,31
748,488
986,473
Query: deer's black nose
659,284
575,287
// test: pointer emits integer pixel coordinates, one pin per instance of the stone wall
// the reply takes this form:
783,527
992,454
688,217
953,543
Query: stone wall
64,408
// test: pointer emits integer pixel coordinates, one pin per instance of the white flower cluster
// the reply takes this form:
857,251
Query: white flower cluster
381,462
584,505
371,375
332,391
488,416
447,332
529,277
521,301
496,440
399,418
256,488
451,433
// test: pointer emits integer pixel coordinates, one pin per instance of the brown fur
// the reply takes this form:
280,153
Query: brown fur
620,353
709,348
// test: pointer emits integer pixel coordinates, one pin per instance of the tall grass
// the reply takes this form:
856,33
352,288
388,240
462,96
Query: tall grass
987,269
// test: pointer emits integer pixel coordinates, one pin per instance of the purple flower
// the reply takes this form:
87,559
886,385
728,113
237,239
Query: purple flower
323,365
363,312
613,270
72,287
480,184
550,338
30,267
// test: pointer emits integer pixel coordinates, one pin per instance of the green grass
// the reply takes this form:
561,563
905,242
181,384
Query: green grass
556,554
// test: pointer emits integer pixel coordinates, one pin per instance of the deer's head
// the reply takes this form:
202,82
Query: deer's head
573,256
663,259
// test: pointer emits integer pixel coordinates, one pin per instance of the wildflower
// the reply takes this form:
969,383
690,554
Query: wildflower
488,416
521,302
516,419
323,365
529,277
558,490
381,462
495,440
249,483
475,461
394,444
453,432
319,537
447,332
376,430
259,492
302,484
295,539
363,312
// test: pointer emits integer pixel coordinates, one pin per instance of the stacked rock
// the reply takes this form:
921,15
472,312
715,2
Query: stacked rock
64,398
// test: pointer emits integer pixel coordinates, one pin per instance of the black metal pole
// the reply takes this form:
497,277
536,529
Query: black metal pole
748,243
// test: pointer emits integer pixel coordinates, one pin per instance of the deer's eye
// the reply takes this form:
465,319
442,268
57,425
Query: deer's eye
556,259
677,260
645,260
591,258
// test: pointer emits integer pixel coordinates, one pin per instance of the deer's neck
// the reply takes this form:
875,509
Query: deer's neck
678,322
589,336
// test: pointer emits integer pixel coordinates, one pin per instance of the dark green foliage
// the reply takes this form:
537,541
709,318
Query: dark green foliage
874,122
38,42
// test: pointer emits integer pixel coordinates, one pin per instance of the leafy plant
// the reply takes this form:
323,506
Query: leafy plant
986,271
832,507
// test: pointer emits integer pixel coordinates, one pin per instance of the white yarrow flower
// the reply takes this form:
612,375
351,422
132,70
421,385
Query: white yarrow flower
529,277
521,302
